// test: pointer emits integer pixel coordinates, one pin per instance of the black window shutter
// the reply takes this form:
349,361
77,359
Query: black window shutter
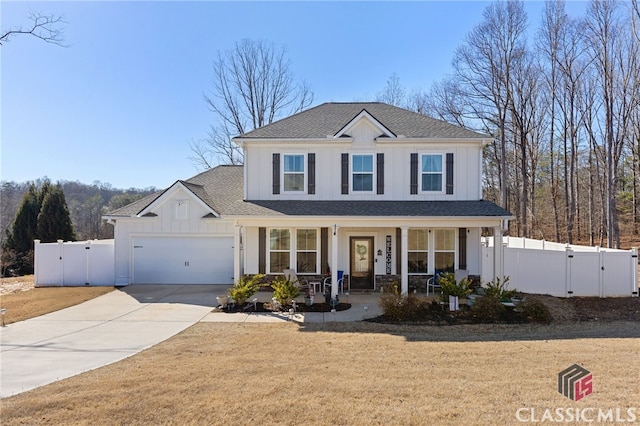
324,250
345,173
276,173
380,172
462,248
262,250
399,250
450,173
414,173
311,178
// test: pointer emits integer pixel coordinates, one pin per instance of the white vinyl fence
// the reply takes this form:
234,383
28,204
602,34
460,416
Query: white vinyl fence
564,270
74,263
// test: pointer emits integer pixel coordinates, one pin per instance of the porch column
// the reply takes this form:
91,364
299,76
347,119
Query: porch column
334,260
404,257
498,253
237,253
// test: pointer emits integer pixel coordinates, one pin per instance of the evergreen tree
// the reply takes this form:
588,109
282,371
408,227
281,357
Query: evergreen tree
25,224
41,215
54,222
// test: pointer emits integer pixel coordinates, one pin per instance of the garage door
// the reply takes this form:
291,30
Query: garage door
179,260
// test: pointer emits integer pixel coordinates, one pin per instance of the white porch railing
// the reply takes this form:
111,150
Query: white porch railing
563,270
74,263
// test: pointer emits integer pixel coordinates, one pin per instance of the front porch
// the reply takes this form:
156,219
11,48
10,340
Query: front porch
365,256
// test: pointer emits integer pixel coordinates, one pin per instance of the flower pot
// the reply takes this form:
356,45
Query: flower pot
222,300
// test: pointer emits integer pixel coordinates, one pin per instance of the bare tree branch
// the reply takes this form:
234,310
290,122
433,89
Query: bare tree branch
252,86
48,28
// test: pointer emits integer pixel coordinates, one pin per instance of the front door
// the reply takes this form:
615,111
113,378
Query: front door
361,271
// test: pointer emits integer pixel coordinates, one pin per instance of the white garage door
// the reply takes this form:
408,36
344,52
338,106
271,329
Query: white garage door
180,260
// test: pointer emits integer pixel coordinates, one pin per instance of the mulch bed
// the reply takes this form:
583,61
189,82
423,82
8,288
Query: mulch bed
260,307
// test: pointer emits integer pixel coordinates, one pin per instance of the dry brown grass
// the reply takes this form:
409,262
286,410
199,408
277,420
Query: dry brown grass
21,305
344,374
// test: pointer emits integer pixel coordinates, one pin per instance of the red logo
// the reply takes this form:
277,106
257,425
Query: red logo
575,382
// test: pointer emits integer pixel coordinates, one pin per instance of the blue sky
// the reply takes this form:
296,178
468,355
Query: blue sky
122,102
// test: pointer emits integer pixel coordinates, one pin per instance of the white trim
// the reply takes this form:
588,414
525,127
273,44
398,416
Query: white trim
168,193
443,173
304,173
364,115
293,250
373,172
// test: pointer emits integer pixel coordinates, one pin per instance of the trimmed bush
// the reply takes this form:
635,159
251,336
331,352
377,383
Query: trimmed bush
398,307
488,309
536,311
285,290
244,288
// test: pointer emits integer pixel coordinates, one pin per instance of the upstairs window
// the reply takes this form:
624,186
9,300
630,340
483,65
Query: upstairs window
362,173
293,172
431,173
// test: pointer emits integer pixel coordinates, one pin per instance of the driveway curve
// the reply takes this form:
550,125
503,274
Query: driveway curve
98,332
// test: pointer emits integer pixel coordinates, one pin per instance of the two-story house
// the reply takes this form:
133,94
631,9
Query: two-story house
376,192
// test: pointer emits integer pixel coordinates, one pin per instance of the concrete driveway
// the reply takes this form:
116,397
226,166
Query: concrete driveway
100,331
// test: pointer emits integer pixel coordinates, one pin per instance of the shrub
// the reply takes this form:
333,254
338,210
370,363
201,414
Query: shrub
244,288
536,311
402,307
498,289
285,290
488,309
450,287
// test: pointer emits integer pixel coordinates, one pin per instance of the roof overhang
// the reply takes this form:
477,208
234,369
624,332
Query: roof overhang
170,192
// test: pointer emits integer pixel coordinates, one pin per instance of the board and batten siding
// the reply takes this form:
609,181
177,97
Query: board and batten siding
164,224
397,156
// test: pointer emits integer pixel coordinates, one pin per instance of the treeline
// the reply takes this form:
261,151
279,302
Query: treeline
562,107
65,210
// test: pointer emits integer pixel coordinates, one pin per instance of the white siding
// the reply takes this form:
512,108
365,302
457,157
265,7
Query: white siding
164,224
397,153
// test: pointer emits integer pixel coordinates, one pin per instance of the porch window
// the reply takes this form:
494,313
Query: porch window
279,250
307,251
444,250
418,247
431,173
293,172
362,173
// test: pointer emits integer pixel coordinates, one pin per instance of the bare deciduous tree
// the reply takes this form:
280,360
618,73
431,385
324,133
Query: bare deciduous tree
394,93
253,86
49,28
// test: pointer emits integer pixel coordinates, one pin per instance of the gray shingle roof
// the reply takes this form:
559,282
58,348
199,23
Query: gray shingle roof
330,118
270,208
218,188
221,188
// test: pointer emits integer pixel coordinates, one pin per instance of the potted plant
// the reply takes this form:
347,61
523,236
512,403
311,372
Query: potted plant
459,290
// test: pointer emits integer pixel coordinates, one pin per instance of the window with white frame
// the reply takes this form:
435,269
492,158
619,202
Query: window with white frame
362,173
299,247
307,251
418,247
444,243
293,172
431,173
279,250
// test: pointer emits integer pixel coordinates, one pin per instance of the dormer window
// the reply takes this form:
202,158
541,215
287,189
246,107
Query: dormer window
293,173
362,173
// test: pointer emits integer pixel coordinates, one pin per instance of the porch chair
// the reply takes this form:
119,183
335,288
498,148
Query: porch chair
432,283
327,283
